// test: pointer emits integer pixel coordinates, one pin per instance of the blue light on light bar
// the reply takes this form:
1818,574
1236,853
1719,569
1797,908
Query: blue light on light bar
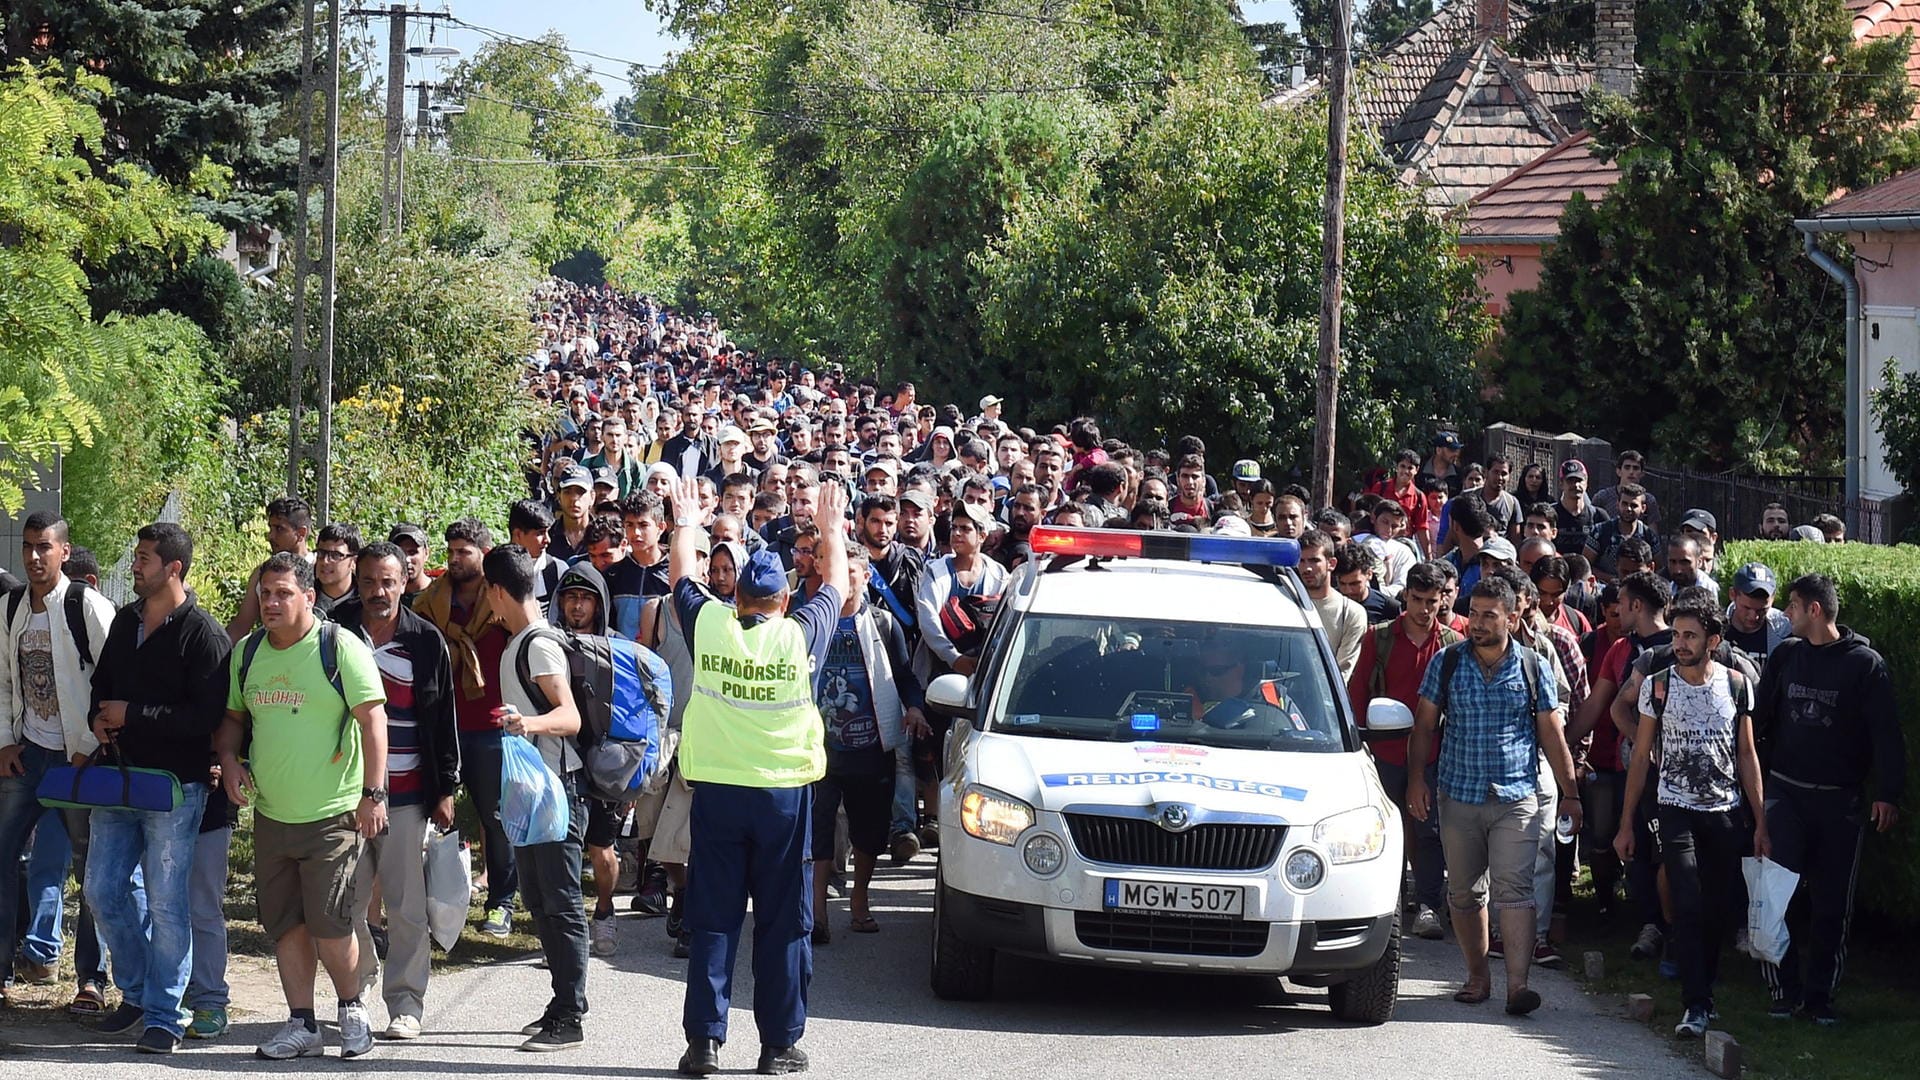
1146,721
1123,543
1250,551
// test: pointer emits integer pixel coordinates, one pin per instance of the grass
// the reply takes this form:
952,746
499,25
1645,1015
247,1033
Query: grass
1878,1001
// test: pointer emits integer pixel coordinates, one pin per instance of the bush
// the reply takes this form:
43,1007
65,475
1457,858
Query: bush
1880,600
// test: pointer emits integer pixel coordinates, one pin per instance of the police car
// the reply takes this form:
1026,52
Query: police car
1154,766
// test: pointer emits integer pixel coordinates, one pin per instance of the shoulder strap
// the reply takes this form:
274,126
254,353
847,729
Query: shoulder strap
330,665
1662,681
1531,661
77,621
905,615
14,596
1449,663
1737,687
247,652
523,667
1382,651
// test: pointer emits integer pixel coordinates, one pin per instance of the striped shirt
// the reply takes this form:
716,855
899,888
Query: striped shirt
405,784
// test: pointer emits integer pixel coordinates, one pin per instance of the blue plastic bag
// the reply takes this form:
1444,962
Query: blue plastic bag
533,802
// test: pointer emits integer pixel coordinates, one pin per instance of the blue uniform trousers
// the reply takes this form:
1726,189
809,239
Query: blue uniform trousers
750,843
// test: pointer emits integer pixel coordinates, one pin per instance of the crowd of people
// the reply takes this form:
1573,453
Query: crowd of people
806,550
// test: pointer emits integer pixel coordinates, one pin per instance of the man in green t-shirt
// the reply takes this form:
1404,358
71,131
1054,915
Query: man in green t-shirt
316,773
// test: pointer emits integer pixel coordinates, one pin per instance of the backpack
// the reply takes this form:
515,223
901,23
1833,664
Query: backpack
1450,663
1383,649
624,693
76,611
329,663
1736,686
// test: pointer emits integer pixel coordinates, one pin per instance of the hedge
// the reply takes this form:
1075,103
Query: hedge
1879,599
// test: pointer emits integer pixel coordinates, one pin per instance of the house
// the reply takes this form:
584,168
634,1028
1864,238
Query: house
1509,226
1874,20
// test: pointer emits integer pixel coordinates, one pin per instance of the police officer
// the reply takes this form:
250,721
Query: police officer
751,743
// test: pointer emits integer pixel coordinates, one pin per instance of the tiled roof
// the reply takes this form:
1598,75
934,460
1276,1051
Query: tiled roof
1900,195
1528,201
1877,19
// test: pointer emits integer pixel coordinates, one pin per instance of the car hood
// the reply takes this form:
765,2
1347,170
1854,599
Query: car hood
1055,774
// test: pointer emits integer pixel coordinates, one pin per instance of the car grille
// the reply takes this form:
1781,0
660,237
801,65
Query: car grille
1164,933
1138,842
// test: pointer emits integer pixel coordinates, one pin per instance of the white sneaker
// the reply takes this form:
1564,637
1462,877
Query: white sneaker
602,935
356,1031
402,1027
293,1040
1427,925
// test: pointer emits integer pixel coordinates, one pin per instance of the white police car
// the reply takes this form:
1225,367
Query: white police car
1155,767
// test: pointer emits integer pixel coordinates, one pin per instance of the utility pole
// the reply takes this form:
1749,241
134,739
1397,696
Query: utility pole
315,80
1326,408
393,181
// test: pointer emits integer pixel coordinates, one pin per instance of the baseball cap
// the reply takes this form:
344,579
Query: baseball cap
1232,525
404,531
730,433
1700,519
1573,467
1500,548
1447,440
702,540
762,423
763,576
1755,579
884,465
1809,533
989,402
919,497
576,477
1246,469
942,432
603,477
976,514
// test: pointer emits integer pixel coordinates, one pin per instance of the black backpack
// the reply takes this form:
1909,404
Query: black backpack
329,663
1450,663
76,610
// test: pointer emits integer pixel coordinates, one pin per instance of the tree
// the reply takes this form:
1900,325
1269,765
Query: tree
1681,312
1384,21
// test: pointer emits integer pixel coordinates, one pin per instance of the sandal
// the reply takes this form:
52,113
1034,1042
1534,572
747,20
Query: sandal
865,925
89,1001
1523,1002
1469,996
822,935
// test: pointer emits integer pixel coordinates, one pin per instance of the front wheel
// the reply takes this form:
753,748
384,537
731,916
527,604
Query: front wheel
1370,995
961,971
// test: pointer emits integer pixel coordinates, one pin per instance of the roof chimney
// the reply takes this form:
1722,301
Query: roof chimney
1489,19
1613,43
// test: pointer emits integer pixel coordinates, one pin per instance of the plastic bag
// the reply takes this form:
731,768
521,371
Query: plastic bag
533,802
1770,889
449,886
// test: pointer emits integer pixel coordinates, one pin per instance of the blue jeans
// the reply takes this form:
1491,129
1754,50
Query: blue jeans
152,957
906,791
207,989
43,908
480,773
20,812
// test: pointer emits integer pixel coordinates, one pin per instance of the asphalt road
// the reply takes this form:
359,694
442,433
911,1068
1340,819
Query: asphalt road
872,1015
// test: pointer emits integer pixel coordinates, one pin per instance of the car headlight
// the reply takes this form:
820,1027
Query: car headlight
1044,855
1304,869
1354,836
998,819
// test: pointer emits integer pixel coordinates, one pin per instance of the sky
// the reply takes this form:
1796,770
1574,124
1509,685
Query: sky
618,28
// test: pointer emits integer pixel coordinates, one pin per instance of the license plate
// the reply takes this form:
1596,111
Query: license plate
1219,901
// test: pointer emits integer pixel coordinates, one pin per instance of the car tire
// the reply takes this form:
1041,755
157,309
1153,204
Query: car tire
961,972
1370,995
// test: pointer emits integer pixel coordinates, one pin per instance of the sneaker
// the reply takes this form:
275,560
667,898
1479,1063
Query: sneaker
1427,925
681,948
294,1040
207,1024
499,923
929,841
601,934
356,1030
904,847
651,900
537,1026
781,1060
1496,949
34,974
1545,955
1693,1025
157,1041
1822,1013
676,913
556,1035
1647,945
1780,1009
121,1020
402,1028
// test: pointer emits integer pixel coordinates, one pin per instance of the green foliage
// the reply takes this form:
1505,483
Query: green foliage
55,214
1383,21
1896,413
1681,312
1879,590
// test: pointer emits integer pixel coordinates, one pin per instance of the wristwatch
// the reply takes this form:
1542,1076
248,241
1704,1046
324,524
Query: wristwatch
377,794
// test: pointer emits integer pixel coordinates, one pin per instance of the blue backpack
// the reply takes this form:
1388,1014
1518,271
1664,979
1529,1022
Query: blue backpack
624,693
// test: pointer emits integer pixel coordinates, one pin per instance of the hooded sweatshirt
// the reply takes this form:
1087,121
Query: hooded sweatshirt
1826,716
582,575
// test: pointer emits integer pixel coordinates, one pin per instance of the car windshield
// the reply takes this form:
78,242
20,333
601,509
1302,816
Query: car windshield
1251,687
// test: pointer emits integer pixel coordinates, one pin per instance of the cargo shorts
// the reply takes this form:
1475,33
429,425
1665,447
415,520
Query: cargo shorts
308,875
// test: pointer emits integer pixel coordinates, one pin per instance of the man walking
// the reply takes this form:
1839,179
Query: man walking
752,744
157,699
1502,715
1829,728
317,771
423,767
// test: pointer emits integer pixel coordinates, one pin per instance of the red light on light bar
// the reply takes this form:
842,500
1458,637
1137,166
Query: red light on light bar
1062,540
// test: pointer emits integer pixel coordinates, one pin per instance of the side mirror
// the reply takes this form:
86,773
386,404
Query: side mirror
1387,719
948,694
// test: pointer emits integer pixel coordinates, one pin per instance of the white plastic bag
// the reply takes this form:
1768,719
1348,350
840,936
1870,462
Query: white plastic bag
1770,889
449,886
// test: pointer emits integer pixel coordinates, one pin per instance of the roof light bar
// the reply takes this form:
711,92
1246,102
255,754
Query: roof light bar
1190,547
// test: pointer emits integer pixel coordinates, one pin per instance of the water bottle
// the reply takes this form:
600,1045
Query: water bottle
1563,831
